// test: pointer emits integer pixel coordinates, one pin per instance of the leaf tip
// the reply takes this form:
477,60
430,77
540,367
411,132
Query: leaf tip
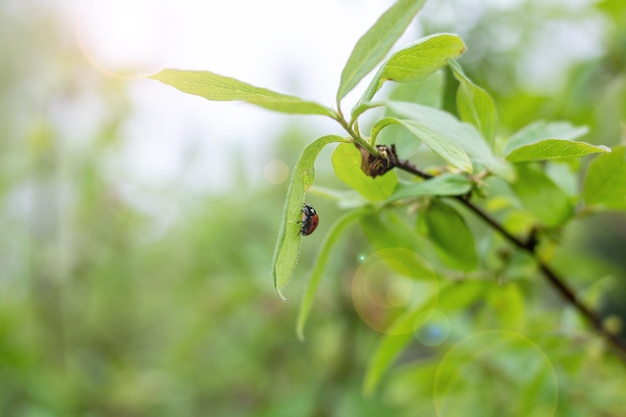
300,333
280,295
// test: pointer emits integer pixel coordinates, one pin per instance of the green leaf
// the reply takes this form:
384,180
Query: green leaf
440,144
346,162
528,143
553,149
605,183
416,62
541,196
320,266
442,185
463,135
474,104
372,47
452,239
288,243
220,88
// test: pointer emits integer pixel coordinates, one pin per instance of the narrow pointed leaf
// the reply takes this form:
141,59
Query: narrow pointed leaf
220,88
474,104
553,149
321,263
416,62
438,143
462,134
605,183
346,162
372,47
288,243
540,131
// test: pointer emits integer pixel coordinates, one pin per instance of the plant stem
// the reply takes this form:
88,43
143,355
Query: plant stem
557,282
354,135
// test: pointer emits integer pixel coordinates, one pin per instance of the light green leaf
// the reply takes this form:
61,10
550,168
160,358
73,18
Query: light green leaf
320,266
452,239
288,243
541,196
553,149
346,160
463,135
474,104
416,62
372,47
605,183
542,130
438,143
442,185
220,88
507,301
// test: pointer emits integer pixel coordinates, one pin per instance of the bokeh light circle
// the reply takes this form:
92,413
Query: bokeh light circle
432,328
276,171
392,282
496,373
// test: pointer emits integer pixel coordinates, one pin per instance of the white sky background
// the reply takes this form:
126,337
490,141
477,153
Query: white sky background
290,46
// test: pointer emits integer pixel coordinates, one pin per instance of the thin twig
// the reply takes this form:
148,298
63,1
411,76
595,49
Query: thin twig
553,278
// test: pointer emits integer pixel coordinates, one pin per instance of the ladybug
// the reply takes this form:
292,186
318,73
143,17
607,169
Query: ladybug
310,220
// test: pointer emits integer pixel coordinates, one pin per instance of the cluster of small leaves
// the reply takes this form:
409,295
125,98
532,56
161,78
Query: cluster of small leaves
519,179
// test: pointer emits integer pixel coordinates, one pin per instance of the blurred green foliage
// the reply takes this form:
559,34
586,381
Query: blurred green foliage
104,312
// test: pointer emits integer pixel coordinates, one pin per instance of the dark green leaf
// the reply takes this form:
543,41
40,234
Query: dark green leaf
346,162
541,196
372,47
453,241
474,104
220,88
288,243
605,183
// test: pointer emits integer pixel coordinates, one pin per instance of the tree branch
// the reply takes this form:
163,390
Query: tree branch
557,282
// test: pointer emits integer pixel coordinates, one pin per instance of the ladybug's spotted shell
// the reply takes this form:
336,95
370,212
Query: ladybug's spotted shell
310,220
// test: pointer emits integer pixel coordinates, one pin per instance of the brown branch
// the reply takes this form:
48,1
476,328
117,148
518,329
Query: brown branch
557,282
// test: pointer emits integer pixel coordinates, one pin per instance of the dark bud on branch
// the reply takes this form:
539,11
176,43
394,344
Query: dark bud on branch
376,165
